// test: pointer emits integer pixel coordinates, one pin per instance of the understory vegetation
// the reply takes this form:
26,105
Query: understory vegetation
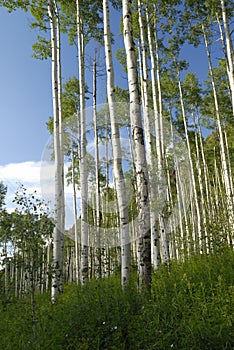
190,307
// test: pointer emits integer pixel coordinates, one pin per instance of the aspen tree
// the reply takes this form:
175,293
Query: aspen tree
224,50
198,229
83,170
229,50
77,265
199,170
161,238
57,270
155,241
142,181
206,174
224,164
60,109
117,153
180,193
97,187
229,162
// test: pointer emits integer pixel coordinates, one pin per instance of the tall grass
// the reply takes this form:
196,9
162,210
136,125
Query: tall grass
189,307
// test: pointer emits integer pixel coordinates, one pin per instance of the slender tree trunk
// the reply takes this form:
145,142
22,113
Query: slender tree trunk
158,71
225,172
59,74
117,153
48,264
203,212
83,170
139,150
57,269
229,162
230,53
98,194
77,265
224,50
155,244
179,190
161,237
198,233
209,206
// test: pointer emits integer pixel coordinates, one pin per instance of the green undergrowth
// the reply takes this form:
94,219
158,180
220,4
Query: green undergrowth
190,307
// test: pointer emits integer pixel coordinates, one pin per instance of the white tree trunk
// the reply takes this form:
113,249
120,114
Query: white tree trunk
83,170
205,243
77,265
98,207
229,162
180,194
155,243
139,150
57,268
230,53
161,237
225,171
198,219
117,153
59,74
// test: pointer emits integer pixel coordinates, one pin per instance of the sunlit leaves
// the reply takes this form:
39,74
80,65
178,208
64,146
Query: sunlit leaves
41,49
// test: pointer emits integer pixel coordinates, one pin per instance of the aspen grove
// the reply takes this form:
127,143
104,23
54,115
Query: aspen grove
151,166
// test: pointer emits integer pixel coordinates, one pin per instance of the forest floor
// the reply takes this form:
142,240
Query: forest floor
190,307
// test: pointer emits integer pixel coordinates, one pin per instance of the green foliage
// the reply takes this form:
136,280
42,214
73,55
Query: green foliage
42,48
90,12
70,105
12,5
27,229
190,307
223,93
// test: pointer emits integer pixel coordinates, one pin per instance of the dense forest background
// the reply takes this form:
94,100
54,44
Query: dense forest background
148,263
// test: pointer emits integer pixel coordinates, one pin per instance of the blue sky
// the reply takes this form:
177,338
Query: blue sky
26,101
25,96
25,88
25,91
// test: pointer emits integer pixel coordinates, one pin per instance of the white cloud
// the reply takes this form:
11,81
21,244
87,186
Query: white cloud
27,172
34,176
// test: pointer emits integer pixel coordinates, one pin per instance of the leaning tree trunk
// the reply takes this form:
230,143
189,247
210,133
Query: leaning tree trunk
229,51
117,153
57,268
139,150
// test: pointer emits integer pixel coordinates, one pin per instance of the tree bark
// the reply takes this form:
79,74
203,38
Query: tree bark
97,189
83,170
229,51
224,164
142,181
57,269
198,219
117,153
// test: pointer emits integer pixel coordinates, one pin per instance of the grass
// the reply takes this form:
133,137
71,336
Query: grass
190,307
